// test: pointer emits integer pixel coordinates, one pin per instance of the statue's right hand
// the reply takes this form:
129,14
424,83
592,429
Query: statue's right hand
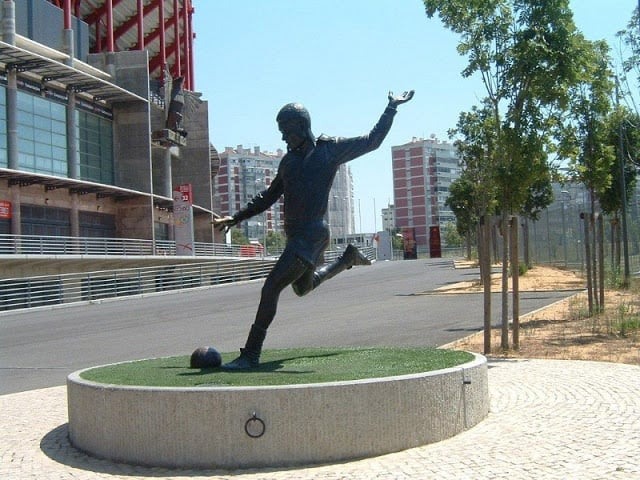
224,223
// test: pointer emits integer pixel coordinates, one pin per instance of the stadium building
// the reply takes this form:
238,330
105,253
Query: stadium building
99,120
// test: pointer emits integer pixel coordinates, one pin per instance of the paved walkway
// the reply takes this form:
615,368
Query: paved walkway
549,419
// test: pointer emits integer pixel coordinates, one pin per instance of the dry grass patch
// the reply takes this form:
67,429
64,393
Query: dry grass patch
564,329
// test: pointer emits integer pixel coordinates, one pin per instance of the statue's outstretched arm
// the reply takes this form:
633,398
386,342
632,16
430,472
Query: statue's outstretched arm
395,100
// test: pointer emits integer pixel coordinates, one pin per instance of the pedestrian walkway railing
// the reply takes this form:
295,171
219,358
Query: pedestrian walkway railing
48,290
19,293
59,245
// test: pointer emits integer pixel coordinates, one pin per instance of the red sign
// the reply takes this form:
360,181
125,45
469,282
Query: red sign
185,193
435,249
5,209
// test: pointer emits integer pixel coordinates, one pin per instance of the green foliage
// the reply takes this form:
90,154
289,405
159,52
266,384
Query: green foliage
614,278
628,325
275,240
238,237
462,203
522,269
474,193
539,197
397,242
450,235
585,134
283,367
622,123
526,53
630,36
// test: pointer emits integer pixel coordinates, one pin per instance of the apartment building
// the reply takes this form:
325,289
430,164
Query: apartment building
388,218
423,170
243,173
341,207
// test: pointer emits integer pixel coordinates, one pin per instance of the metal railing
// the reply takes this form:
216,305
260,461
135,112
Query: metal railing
59,245
49,290
20,293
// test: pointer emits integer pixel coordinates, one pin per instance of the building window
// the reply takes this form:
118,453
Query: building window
161,231
42,145
95,147
94,224
45,221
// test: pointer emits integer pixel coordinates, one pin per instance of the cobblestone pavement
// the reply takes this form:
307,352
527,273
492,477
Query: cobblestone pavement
549,419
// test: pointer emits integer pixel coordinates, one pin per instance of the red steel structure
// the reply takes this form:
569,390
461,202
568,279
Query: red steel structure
162,27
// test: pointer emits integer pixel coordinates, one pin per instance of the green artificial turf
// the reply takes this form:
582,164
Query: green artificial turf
282,367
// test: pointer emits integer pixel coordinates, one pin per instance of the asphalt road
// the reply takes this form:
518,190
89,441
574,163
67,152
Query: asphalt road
388,303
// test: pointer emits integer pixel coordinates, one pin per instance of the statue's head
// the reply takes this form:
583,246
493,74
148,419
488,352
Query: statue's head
294,123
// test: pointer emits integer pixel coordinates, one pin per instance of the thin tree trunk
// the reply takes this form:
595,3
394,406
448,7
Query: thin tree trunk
525,241
504,338
601,259
594,261
494,242
484,253
616,240
515,282
587,260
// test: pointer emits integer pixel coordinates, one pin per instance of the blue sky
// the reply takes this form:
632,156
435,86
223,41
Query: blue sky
340,58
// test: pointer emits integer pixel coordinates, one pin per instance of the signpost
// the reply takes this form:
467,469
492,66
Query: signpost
183,219
5,209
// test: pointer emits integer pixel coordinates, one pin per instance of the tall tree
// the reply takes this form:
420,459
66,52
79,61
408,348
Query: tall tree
473,196
585,140
630,59
525,53
623,134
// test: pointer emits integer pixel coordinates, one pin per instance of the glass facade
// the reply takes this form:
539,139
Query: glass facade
42,139
95,145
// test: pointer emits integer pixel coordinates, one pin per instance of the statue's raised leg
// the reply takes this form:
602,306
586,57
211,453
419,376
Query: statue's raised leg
250,354
350,257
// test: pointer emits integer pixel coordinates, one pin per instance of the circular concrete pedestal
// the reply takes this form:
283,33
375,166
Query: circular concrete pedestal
242,427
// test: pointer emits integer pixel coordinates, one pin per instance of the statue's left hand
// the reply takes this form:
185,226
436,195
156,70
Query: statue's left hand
224,223
395,100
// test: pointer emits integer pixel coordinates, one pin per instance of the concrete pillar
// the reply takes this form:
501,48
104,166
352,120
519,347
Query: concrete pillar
12,119
16,217
9,22
74,219
68,45
73,155
167,190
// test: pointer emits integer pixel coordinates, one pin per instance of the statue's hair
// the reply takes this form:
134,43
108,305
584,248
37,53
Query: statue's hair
296,111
